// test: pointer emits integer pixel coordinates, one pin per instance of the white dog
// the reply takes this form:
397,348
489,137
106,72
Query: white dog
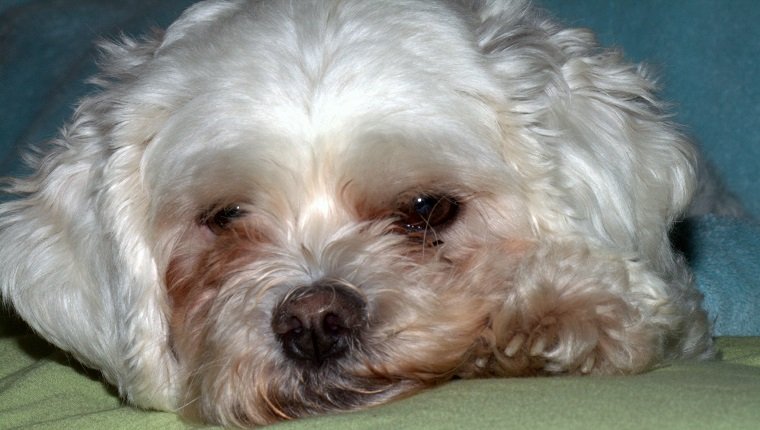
285,208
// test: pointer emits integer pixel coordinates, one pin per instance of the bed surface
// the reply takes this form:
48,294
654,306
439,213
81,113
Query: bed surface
41,388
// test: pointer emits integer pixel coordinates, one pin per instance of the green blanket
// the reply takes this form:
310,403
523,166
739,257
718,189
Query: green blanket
40,387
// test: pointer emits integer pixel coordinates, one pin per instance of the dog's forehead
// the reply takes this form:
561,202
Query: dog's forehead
232,156
311,66
298,92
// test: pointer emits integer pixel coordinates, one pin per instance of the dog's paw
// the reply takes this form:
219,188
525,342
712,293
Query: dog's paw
574,313
590,332
559,344
566,340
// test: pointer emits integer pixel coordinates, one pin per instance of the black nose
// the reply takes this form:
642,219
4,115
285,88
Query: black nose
318,323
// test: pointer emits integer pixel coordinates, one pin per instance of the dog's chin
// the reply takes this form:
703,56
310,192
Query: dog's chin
248,390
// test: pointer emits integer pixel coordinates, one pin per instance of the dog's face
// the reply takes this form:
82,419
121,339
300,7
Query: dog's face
284,208
317,210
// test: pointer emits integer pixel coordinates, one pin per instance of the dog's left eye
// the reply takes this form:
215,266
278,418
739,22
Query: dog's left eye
427,211
219,220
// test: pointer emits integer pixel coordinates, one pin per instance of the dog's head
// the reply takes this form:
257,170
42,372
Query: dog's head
280,209
316,194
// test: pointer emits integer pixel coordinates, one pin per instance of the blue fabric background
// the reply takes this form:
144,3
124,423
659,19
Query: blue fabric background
707,53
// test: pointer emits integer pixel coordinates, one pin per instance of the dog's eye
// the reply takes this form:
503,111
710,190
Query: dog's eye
427,211
219,220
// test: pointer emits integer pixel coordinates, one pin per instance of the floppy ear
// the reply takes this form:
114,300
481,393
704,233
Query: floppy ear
603,161
74,259
77,255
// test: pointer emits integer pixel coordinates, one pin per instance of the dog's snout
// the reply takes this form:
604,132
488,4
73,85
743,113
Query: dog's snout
318,323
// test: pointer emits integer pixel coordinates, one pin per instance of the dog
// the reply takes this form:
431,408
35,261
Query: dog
276,209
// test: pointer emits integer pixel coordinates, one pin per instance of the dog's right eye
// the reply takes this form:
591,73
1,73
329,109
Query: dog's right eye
219,220
424,213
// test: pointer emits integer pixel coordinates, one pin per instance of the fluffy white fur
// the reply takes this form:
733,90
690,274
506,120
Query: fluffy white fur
318,118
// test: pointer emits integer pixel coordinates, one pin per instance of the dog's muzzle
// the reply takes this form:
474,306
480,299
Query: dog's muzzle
317,324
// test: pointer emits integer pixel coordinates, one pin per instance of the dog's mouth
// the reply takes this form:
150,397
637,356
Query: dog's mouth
324,357
304,387
321,330
329,389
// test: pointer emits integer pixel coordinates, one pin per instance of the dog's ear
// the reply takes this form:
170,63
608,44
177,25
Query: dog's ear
597,150
74,257
76,250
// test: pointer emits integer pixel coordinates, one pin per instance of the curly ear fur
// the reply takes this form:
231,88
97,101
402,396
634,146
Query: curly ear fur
83,222
600,160
72,256
597,126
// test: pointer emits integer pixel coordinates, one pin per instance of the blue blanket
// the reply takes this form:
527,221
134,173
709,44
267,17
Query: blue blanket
707,52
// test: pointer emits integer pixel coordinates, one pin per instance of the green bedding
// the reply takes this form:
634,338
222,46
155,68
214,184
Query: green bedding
40,387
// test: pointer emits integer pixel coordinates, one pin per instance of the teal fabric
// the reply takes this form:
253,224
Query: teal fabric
47,52
726,257
707,53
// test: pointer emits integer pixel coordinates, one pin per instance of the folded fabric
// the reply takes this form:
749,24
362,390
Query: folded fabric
725,256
